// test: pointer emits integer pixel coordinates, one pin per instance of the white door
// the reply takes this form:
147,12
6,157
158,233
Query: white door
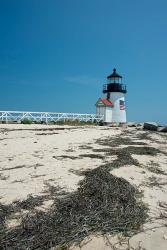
108,114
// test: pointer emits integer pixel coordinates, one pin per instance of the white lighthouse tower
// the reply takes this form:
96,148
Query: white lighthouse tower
115,97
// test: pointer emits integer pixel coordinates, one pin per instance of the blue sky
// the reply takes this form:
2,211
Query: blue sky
55,55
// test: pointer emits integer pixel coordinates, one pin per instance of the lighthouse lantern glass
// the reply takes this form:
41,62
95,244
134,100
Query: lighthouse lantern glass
114,80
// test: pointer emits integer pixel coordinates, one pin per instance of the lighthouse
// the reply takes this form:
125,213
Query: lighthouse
112,107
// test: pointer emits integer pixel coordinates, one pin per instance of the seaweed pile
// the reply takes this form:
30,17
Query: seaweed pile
102,204
119,140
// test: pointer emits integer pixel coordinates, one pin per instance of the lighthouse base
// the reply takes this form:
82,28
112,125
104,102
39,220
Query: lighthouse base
118,110
113,109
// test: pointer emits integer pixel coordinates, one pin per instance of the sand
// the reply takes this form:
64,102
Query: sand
33,156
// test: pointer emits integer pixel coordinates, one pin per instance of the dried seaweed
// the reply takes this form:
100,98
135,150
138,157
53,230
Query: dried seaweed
5,210
53,133
132,150
16,167
102,204
144,136
39,129
93,156
30,203
144,150
85,147
22,166
71,157
118,141
3,177
123,158
124,155
155,182
154,167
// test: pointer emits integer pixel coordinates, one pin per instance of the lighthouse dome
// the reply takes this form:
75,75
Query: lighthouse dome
114,75
114,84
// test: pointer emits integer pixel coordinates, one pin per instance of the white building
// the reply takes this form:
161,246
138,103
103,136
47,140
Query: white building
104,107
113,105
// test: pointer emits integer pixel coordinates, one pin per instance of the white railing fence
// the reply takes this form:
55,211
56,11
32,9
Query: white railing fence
18,116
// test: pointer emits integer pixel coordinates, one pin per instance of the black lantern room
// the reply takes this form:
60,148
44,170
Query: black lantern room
114,84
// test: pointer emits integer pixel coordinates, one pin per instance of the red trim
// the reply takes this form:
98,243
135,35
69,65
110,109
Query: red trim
107,102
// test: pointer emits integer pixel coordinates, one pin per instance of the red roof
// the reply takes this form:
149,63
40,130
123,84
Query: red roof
107,102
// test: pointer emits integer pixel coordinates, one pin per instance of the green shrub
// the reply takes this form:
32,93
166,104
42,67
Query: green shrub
26,121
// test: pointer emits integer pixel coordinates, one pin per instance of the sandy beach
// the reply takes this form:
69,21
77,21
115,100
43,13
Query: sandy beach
33,157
